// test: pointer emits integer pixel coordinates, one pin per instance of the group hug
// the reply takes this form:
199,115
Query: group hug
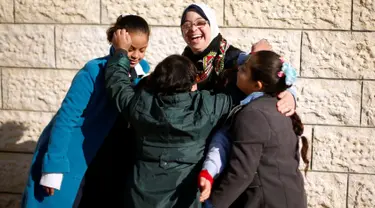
214,126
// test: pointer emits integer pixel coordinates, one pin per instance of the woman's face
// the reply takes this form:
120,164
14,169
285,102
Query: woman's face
138,48
196,32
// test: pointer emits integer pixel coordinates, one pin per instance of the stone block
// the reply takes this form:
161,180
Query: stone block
344,149
61,11
6,11
10,200
77,44
363,15
20,130
335,102
368,104
286,43
161,12
35,89
335,14
361,191
14,171
326,190
27,45
338,54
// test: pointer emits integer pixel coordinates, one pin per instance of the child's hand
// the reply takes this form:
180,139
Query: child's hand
49,191
262,45
121,39
205,187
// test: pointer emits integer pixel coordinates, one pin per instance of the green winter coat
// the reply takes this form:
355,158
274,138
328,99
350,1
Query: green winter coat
171,133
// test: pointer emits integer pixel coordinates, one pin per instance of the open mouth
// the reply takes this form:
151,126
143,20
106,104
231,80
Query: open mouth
196,38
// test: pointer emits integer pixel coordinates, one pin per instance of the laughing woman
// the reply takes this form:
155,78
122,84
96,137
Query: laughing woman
215,58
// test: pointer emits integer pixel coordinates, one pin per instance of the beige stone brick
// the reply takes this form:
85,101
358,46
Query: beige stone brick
364,15
344,149
161,12
6,11
75,45
335,102
326,190
335,14
14,171
286,43
27,46
10,200
368,104
164,41
35,89
20,130
61,11
361,191
338,54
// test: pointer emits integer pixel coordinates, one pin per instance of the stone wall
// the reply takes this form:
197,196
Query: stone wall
331,42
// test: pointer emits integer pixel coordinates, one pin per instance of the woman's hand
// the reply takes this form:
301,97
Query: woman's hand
49,191
121,40
286,105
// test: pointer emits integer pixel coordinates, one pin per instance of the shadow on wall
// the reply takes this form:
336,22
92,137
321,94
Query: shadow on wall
12,138
15,159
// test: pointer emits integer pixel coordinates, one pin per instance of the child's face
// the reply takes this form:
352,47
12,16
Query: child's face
244,80
138,48
196,32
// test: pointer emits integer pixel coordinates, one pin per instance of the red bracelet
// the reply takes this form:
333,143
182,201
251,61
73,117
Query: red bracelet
205,174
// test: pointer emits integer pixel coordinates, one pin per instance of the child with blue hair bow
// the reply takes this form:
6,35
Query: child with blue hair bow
263,143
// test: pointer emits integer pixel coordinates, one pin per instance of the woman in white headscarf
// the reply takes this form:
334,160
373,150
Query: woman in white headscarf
215,58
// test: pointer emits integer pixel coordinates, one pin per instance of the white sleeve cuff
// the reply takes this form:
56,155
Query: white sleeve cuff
52,180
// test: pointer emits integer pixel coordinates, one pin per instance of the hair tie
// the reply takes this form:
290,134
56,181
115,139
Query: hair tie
280,74
282,59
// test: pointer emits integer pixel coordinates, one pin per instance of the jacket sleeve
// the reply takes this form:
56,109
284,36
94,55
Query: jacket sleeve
251,130
223,103
117,81
75,102
217,152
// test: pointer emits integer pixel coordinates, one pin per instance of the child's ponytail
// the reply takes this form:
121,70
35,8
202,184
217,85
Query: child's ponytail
298,129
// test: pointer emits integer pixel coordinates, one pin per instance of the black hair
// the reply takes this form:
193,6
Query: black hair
265,66
298,129
132,23
175,74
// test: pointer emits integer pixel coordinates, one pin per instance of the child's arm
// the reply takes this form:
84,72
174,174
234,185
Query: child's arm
251,131
217,154
117,80
55,160
215,161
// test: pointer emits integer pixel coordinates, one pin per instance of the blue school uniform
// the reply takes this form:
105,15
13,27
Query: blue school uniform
72,138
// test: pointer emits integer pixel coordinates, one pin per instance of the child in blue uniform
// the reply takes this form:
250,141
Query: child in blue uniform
71,140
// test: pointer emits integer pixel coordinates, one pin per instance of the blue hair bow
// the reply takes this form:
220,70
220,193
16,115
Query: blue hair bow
290,73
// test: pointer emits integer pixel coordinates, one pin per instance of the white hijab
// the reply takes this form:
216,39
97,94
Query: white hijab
210,14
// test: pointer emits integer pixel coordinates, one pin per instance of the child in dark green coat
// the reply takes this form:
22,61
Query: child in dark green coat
171,120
